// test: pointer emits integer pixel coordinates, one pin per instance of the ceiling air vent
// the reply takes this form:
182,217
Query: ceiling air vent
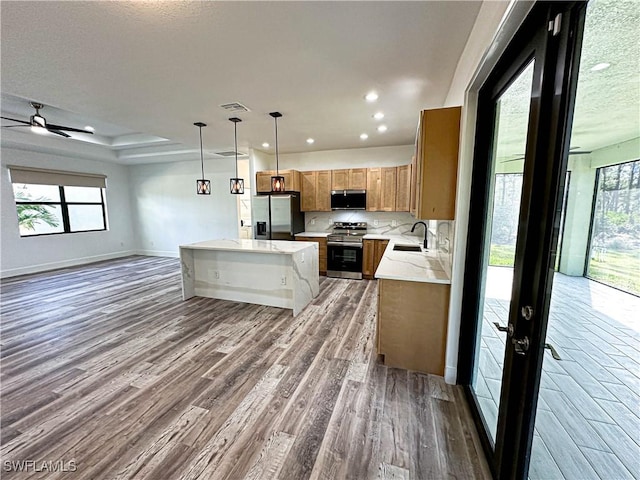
230,153
234,107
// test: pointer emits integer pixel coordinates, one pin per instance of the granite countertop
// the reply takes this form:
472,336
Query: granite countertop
410,266
313,234
245,245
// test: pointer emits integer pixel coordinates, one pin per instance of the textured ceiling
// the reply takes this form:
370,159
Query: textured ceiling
156,67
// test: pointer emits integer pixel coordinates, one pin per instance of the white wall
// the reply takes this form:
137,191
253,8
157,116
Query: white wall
484,47
336,159
31,254
167,212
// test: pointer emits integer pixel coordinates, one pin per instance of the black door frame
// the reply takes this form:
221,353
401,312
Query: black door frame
555,44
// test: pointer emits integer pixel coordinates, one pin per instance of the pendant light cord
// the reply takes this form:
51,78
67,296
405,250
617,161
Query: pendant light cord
277,162
235,136
201,155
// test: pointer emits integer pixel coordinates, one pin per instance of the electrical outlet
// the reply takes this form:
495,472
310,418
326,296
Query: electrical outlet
394,223
302,261
376,223
313,221
283,281
216,274
330,221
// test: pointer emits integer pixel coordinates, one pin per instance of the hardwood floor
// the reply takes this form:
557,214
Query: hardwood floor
108,374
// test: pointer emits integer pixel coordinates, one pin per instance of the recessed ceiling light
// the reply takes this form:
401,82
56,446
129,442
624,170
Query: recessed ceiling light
363,136
600,66
382,128
310,141
89,128
265,145
378,116
371,97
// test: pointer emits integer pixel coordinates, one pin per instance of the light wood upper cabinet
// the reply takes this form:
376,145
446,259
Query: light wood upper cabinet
323,191
381,189
316,191
349,179
403,189
292,180
308,192
413,203
374,184
437,146
357,178
263,181
388,184
339,179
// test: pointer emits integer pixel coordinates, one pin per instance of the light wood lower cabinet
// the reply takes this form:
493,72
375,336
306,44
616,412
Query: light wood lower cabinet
322,251
372,253
412,325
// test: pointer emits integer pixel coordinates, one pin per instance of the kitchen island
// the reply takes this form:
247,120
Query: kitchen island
267,272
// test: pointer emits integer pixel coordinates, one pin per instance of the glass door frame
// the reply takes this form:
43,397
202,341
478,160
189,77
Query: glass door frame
554,42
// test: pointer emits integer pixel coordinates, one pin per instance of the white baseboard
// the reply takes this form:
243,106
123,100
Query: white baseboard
43,267
158,253
450,375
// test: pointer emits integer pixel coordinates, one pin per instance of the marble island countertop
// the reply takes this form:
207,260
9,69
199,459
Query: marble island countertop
283,247
410,266
313,234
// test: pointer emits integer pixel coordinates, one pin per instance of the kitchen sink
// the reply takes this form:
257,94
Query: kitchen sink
407,248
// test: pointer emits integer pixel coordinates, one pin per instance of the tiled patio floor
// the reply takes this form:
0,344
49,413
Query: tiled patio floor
588,418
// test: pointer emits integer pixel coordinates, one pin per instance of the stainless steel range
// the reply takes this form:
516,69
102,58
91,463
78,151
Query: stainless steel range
344,250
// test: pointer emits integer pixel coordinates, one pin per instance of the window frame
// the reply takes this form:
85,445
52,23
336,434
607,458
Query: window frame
64,209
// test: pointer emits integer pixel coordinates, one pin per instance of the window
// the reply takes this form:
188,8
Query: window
615,234
52,202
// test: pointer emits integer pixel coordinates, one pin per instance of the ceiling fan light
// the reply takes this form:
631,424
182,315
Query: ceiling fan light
39,130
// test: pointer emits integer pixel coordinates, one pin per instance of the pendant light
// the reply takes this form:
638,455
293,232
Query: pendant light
203,186
277,181
236,184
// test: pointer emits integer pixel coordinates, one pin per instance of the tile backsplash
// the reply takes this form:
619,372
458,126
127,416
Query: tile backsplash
389,223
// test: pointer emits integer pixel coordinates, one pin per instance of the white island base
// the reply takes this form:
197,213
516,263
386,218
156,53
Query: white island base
266,272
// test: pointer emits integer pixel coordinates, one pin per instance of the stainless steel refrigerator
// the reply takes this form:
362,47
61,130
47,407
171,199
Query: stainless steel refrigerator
277,217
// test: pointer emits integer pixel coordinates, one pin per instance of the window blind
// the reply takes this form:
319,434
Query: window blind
42,176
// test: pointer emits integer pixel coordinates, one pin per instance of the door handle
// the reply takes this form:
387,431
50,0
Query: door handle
521,345
508,329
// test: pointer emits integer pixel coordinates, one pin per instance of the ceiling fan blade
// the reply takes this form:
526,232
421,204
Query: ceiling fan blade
57,132
16,120
51,126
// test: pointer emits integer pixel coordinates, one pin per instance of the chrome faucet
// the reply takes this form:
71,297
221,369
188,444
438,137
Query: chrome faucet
426,232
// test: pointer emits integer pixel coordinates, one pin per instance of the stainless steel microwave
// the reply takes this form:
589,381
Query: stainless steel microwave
348,199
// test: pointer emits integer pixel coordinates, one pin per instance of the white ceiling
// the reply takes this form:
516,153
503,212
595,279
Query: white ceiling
142,72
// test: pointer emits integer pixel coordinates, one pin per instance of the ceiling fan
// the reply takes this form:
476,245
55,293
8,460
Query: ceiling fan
39,125
572,151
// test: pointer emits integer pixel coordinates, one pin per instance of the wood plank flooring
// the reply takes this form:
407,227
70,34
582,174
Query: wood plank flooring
108,374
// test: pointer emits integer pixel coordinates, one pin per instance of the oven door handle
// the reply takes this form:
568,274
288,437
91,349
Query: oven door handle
341,244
